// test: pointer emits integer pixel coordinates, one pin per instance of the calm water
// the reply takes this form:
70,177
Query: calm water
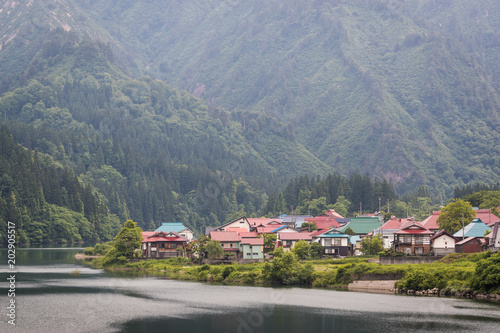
50,298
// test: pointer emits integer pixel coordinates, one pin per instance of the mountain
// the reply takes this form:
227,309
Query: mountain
407,90
144,149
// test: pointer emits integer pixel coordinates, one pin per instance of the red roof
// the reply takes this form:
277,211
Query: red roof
430,222
252,234
414,229
161,236
295,236
253,241
441,233
225,236
323,221
392,224
487,216
238,230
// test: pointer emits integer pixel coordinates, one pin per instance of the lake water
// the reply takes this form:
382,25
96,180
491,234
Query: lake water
51,298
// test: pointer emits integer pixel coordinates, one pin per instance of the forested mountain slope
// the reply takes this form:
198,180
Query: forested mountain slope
405,89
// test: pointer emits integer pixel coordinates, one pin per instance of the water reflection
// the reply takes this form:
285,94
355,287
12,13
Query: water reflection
51,299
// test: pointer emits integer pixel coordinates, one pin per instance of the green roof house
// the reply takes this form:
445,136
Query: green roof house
363,226
177,227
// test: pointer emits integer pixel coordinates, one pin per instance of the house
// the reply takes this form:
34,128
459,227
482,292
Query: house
288,239
469,245
252,248
474,229
160,245
268,228
413,240
326,220
362,226
335,243
177,227
443,243
387,231
229,241
240,223
494,237
355,242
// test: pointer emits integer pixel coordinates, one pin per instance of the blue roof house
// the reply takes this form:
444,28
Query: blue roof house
476,228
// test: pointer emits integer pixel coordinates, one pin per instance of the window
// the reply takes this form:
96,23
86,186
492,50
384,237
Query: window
337,242
231,245
249,254
221,244
328,241
255,254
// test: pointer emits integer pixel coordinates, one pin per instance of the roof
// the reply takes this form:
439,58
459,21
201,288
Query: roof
392,224
268,229
239,231
487,216
354,239
293,218
225,236
334,233
430,222
255,221
323,221
362,225
251,234
474,229
295,236
414,229
153,236
468,239
442,233
171,226
253,241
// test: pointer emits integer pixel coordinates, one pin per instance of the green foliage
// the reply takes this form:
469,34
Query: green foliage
455,215
269,242
302,249
372,245
349,231
214,249
287,270
316,250
486,277
124,245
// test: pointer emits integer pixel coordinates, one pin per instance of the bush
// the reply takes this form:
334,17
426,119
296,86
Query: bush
486,277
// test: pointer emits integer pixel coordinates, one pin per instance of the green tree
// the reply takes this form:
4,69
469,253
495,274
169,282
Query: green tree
125,243
302,249
342,206
372,245
487,275
214,249
349,231
286,269
454,214
269,242
310,225
316,250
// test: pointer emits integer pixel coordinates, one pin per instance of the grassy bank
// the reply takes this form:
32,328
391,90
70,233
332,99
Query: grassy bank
454,273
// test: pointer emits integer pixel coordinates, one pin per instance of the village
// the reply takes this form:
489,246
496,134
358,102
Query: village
242,239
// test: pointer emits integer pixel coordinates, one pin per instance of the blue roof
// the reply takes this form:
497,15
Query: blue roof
334,233
476,228
283,226
171,227
355,239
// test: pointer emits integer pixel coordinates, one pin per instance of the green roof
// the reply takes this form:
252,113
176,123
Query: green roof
171,227
362,225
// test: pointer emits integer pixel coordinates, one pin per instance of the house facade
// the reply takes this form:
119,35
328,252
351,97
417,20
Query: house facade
494,238
469,245
162,245
252,248
177,227
413,240
443,243
288,239
335,243
229,241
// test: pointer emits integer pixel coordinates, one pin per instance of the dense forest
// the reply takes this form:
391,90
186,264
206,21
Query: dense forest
299,107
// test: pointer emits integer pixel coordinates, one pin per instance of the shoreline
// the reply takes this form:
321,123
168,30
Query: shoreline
81,256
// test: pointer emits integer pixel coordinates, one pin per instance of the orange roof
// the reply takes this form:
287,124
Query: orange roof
323,222
430,222
392,224
237,230
295,236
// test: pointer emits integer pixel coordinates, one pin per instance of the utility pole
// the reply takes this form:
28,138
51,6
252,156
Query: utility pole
360,208
379,199
388,208
463,227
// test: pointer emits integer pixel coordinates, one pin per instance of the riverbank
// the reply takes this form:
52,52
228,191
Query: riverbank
454,275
